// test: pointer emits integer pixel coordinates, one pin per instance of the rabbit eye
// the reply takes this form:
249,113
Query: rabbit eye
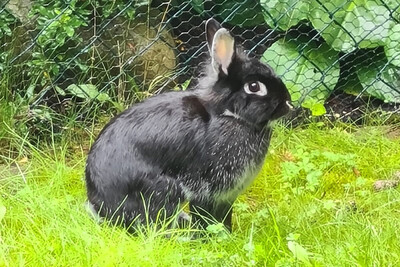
255,88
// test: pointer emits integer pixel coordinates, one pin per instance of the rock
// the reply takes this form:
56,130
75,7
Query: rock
385,184
20,9
145,48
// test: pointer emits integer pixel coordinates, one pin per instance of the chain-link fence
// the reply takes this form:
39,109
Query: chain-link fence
63,57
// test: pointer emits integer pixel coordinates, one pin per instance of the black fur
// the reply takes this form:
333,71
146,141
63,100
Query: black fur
183,146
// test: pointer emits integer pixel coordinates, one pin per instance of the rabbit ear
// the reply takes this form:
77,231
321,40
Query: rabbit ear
221,46
212,26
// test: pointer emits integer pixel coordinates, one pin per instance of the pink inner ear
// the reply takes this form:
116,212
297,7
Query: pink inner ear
223,50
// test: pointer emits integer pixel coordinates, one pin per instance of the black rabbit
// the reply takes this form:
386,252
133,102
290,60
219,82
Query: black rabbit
202,146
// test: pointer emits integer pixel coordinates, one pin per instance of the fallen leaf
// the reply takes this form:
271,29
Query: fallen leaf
23,160
288,156
299,252
356,172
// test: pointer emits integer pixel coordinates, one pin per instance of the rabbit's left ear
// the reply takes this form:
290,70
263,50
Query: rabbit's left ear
221,45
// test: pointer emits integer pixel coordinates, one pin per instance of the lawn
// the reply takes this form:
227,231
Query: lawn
313,204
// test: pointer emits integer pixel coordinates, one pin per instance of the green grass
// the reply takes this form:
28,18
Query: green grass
306,208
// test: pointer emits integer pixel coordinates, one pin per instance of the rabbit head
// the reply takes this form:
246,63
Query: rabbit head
240,86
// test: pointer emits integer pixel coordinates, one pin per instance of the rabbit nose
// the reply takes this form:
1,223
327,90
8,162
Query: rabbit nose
289,104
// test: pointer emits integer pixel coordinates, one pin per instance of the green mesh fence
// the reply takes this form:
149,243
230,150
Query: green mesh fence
61,57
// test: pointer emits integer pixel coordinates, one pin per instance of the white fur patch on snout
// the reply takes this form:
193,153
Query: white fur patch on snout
289,105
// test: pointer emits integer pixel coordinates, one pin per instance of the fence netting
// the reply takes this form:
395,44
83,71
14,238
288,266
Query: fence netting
337,57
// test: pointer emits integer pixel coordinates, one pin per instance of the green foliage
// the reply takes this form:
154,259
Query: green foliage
218,231
59,66
198,6
392,48
299,252
246,13
379,77
306,172
284,13
6,22
316,108
309,77
87,92
349,25
346,27
6,19
394,6
59,25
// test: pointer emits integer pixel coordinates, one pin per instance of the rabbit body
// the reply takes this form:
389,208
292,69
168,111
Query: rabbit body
202,146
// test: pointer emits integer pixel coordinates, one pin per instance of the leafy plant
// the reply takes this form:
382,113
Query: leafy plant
349,25
284,13
299,252
346,28
246,13
87,92
309,77
380,78
392,48
218,230
57,26
55,74
306,171
6,19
